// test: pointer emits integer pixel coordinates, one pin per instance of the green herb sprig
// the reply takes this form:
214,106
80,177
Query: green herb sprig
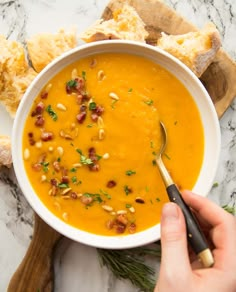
51,113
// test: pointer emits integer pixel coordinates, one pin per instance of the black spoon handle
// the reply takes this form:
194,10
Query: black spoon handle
196,238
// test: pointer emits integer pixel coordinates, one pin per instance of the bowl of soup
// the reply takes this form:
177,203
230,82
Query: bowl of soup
87,133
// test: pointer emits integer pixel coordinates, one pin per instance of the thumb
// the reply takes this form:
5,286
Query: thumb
175,259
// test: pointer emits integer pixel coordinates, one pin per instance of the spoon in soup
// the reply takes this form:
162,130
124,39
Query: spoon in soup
195,236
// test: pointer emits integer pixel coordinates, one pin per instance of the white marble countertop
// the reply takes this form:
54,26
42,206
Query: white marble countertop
75,264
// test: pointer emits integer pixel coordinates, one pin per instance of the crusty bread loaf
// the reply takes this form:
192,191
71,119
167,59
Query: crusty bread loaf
15,74
195,49
125,24
5,151
45,47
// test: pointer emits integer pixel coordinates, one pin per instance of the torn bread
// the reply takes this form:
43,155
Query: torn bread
5,151
125,24
195,49
15,74
45,47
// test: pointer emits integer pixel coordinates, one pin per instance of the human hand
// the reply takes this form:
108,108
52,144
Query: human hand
177,271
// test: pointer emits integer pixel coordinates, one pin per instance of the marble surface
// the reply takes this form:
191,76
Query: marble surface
75,264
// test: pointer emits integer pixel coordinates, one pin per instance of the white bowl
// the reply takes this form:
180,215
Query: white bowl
190,81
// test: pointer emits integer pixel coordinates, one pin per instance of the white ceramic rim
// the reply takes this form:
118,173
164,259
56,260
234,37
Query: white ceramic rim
184,74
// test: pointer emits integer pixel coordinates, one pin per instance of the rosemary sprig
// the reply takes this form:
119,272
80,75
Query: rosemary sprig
129,264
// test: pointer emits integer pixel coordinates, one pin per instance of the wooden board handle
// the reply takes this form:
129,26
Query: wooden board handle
35,273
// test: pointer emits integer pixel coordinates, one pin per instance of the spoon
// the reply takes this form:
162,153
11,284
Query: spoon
196,238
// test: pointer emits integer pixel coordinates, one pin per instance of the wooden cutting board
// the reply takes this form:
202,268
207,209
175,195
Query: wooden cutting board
35,273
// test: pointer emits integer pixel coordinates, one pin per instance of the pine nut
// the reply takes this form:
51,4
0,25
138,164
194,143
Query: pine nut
101,75
77,165
100,122
60,150
50,149
48,87
106,156
61,107
26,154
74,73
107,208
114,96
57,206
101,134
132,210
38,144
93,63
66,191
43,178
65,216
121,212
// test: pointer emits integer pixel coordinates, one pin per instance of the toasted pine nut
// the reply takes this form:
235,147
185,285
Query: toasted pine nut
113,213
77,165
38,144
93,63
67,197
61,107
107,208
114,96
106,156
121,212
101,134
26,154
100,122
43,178
60,150
66,191
101,75
48,87
50,149
74,73
132,210
73,125
65,216
57,206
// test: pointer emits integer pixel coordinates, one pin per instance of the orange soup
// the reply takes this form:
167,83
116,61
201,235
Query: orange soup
91,138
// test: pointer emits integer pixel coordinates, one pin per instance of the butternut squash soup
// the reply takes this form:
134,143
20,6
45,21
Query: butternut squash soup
91,138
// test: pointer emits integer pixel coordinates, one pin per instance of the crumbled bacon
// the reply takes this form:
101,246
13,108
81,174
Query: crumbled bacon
111,184
81,117
39,121
93,156
47,136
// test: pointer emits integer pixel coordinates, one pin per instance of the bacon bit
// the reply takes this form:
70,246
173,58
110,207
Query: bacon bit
83,108
86,200
122,219
94,117
39,108
94,167
56,166
139,200
111,184
39,121
54,182
132,228
31,138
44,95
74,195
65,179
120,228
92,155
47,136
81,117
37,166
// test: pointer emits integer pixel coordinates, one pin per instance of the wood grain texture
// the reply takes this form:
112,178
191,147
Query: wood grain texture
220,77
35,272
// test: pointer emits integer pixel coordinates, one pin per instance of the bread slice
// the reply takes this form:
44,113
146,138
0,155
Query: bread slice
15,74
195,49
5,151
125,24
43,48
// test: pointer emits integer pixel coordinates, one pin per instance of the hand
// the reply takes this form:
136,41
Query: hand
177,272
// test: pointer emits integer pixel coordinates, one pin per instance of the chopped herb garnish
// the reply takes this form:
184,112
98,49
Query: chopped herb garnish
158,199
154,153
89,125
128,206
62,185
151,201
167,156
71,83
83,159
113,103
72,144
51,112
130,172
151,144
105,194
74,179
154,163
175,123
45,166
130,90
79,151
84,75
98,156
59,159
92,106
127,190
73,169
149,102
215,185
147,189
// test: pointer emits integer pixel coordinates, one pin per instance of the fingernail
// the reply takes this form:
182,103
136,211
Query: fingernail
170,212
